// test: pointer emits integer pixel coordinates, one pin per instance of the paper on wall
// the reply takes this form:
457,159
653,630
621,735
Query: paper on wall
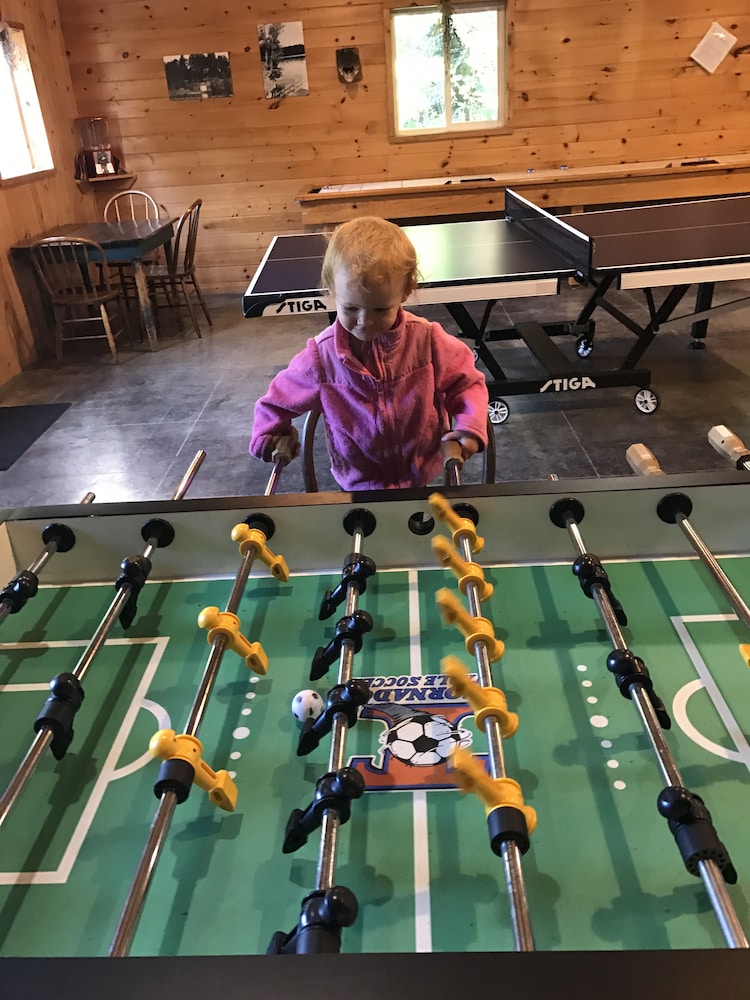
713,47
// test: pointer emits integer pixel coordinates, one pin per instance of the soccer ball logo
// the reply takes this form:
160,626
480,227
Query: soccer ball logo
423,739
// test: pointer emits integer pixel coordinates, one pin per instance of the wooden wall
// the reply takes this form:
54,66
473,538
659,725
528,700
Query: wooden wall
602,83
597,82
27,207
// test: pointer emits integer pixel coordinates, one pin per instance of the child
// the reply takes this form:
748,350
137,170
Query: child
387,382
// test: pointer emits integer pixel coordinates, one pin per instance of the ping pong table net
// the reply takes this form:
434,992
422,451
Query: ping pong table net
575,247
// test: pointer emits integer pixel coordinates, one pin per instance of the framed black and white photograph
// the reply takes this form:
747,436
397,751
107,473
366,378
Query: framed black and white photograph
282,55
198,76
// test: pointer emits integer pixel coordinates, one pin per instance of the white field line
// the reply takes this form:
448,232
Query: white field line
109,771
422,908
706,682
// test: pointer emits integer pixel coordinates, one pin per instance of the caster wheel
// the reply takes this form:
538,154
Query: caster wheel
584,347
646,400
498,411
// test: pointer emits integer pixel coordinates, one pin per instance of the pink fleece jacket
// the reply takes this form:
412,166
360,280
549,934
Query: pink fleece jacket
384,418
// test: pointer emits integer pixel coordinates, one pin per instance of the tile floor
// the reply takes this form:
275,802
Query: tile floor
132,429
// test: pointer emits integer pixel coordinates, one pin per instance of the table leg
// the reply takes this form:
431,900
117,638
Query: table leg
703,300
144,301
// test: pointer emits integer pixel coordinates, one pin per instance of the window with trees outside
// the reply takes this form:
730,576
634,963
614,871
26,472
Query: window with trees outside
448,67
24,148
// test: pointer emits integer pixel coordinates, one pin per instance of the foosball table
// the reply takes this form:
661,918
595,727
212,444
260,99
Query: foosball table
526,753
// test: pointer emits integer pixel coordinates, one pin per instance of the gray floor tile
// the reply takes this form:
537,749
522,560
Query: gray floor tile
132,429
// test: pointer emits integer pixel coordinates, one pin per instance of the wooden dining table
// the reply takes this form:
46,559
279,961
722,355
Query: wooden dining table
128,241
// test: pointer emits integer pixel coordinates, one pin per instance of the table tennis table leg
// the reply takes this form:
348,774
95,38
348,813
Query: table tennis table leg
645,334
470,331
658,316
596,299
703,300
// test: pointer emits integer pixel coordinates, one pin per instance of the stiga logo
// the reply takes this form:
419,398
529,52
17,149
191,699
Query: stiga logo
568,384
301,306
419,722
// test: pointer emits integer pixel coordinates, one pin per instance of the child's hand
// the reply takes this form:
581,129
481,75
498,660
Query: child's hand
289,440
469,444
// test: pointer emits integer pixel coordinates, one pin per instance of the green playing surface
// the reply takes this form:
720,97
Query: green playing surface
602,872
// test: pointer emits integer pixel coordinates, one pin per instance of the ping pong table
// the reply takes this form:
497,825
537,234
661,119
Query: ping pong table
530,252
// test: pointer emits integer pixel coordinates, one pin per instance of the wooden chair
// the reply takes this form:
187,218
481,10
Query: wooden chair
315,452
176,282
130,205
75,275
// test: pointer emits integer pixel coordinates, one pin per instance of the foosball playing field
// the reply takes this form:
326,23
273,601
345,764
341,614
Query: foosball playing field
602,871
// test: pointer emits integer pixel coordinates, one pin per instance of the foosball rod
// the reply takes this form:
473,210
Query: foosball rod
730,446
675,508
56,538
511,854
452,462
168,799
708,870
330,823
45,733
283,453
184,484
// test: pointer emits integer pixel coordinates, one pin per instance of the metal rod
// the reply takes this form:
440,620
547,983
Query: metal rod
731,928
44,737
330,825
27,766
273,479
453,472
523,936
669,771
709,871
184,484
515,886
141,882
128,922
38,565
709,560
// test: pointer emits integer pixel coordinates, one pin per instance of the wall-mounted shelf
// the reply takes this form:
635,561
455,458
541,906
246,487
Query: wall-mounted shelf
83,182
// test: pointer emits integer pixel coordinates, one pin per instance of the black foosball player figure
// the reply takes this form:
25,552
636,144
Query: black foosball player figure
703,853
25,584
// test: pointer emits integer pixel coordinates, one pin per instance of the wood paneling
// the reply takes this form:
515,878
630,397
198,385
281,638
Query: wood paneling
606,85
30,206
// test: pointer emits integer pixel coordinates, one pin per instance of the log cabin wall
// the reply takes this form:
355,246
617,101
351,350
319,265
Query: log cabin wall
592,83
30,206
605,86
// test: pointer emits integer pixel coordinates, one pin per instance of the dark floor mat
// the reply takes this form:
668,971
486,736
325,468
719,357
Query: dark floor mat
20,426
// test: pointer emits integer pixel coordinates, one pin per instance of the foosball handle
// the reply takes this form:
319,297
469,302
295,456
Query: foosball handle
643,461
452,451
729,445
286,448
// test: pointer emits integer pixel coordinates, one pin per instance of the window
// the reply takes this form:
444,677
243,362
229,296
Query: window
24,148
448,67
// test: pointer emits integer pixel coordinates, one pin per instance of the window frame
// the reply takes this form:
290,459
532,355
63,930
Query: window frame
38,146
461,129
